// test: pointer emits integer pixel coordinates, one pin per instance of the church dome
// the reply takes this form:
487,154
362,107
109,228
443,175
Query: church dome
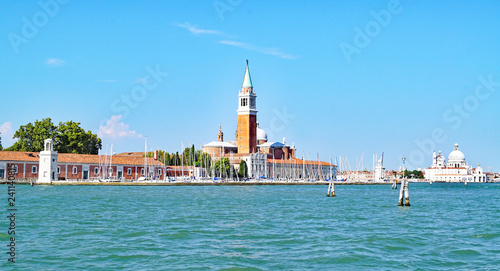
261,134
456,155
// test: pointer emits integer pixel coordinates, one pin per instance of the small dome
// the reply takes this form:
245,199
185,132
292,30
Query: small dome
456,155
261,134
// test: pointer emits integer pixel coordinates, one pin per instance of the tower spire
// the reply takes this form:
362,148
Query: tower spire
247,81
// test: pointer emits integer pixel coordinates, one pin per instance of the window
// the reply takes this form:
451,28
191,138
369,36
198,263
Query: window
75,170
58,170
33,169
142,171
110,171
129,171
244,102
96,170
14,168
252,102
159,171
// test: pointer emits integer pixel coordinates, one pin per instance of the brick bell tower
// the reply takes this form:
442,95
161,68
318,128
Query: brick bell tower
246,133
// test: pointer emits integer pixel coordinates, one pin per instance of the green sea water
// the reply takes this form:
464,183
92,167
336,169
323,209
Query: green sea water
448,227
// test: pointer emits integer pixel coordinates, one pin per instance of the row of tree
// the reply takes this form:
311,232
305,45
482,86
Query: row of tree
192,157
68,137
417,174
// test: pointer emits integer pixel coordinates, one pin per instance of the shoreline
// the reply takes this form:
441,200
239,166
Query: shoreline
198,183
227,183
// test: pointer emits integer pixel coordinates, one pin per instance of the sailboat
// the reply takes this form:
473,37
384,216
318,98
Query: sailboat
146,177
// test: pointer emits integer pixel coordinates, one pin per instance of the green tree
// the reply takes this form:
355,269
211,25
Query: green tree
192,156
68,137
205,161
176,161
243,172
1,148
166,158
185,156
71,138
222,166
30,137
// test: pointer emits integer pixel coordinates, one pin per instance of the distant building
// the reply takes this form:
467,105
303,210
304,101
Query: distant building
251,145
455,170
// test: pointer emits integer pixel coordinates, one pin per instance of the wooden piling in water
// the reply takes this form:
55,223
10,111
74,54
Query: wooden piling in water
331,190
407,194
404,193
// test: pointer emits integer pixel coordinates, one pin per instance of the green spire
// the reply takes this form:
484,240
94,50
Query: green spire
247,81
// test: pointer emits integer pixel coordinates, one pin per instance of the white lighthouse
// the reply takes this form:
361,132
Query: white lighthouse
48,163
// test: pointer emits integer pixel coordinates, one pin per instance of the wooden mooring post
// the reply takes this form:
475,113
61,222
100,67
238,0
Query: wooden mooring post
403,192
331,190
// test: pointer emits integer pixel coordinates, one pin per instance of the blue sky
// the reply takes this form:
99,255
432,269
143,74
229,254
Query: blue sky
416,76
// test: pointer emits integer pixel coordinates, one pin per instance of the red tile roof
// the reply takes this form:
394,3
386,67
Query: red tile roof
298,161
72,158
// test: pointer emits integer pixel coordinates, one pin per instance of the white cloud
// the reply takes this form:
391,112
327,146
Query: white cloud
268,51
54,62
195,30
116,129
6,134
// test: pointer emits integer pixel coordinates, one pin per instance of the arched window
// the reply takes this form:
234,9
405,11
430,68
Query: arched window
75,170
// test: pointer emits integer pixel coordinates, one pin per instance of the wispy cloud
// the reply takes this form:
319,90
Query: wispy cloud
54,62
268,51
116,129
195,30
107,81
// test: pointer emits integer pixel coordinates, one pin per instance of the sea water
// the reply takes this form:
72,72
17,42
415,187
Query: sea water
447,227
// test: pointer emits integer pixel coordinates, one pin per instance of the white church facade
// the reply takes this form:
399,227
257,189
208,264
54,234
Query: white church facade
455,170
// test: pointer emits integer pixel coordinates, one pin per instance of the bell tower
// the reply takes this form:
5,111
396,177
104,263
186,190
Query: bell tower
247,116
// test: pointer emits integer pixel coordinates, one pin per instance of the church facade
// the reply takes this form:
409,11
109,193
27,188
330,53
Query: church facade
455,170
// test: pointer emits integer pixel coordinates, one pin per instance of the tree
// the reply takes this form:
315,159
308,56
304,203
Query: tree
186,154
1,148
71,138
243,172
192,156
68,137
222,166
205,161
176,161
166,158
30,137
